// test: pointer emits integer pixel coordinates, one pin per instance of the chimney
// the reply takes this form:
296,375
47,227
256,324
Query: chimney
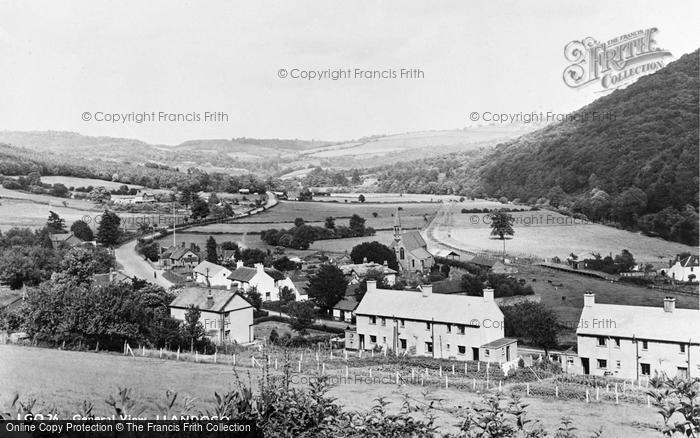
364,259
426,289
371,285
112,275
669,304
260,267
488,294
239,264
210,299
386,264
588,299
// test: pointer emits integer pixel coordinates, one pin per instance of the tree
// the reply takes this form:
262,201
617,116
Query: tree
80,264
193,330
327,287
355,179
625,260
254,298
59,190
287,295
82,231
357,225
200,209
374,252
298,222
284,264
251,256
330,223
55,223
534,322
108,231
303,315
502,226
361,198
211,257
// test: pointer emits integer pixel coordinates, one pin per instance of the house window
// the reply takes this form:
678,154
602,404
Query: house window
645,345
413,263
372,319
682,348
384,339
617,342
449,328
460,329
402,254
682,372
403,343
373,339
602,363
427,326
601,341
461,349
646,369
428,347
267,296
403,323
618,364
447,348
487,352
384,321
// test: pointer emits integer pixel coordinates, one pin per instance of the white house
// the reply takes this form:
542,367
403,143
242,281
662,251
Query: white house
438,325
211,274
635,341
685,269
299,295
178,256
226,315
263,280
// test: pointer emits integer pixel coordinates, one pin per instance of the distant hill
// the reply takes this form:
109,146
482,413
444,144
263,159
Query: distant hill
638,168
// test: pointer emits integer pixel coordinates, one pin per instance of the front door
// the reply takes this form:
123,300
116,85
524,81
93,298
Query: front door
508,353
584,364
362,342
475,353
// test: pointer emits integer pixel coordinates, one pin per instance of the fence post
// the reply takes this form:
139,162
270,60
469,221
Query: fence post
588,397
323,370
499,386
421,380
347,373
178,353
299,367
143,350
453,369
473,384
275,363
465,368
478,367
556,391
370,373
160,356
346,355
331,354
440,371
397,377
597,393
413,374
648,401
446,383
196,356
527,386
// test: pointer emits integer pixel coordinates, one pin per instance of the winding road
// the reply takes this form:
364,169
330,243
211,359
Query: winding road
134,265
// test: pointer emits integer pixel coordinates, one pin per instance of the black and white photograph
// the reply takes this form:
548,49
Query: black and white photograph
311,218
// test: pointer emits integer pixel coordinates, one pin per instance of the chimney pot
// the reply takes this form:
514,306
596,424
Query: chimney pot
239,264
426,289
488,294
588,299
669,304
364,260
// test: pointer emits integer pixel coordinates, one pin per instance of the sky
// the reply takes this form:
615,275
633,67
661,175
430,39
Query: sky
61,60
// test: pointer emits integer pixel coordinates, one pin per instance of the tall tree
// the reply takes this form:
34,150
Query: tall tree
502,226
302,313
193,330
108,231
55,223
327,287
200,209
212,256
330,223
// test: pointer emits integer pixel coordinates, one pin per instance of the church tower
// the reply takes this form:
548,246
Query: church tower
397,226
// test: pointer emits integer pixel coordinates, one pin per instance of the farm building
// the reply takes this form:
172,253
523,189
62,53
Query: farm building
225,315
636,341
438,325
211,274
446,254
64,239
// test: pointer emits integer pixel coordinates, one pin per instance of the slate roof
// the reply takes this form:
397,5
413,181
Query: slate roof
482,261
199,298
498,343
347,304
104,279
67,238
689,261
448,286
362,269
413,240
214,269
680,325
457,309
243,274
420,253
178,253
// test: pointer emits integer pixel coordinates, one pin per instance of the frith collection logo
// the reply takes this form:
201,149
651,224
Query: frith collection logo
613,63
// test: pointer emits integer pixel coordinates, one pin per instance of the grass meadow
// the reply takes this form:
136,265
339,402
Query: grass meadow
65,378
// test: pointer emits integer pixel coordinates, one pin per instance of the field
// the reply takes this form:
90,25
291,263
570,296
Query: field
547,234
64,379
404,198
